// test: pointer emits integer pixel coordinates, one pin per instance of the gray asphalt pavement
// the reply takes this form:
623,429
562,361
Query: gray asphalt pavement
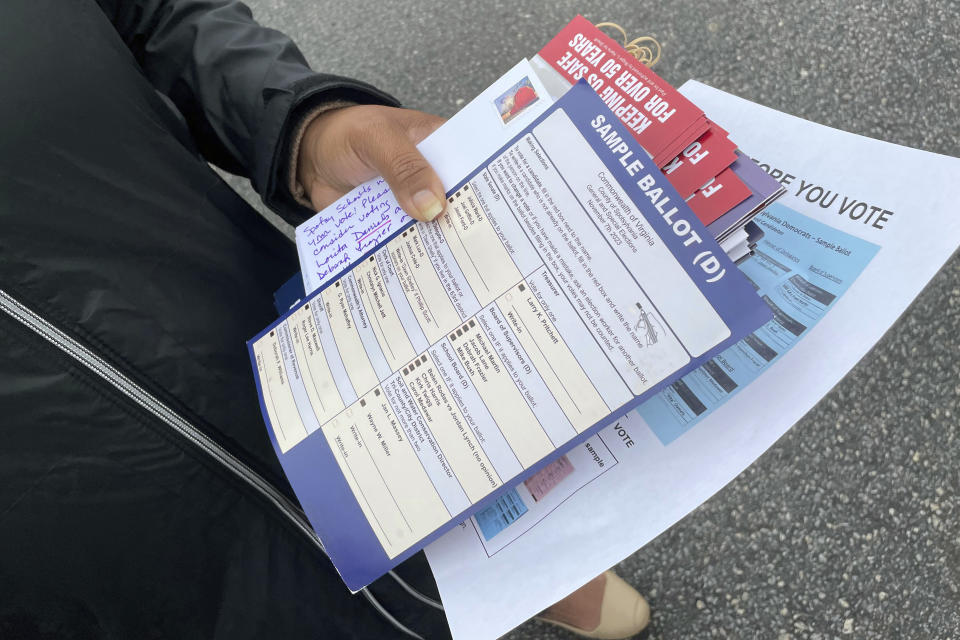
850,526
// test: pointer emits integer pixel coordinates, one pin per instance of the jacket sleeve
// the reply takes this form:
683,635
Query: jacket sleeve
242,88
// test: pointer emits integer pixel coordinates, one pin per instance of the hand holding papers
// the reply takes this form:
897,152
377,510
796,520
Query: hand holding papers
362,219
567,282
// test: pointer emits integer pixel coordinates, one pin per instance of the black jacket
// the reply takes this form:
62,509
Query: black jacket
139,495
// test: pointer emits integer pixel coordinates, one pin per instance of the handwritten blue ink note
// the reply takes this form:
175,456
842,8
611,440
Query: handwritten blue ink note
337,236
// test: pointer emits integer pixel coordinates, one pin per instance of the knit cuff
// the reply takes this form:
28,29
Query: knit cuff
296,189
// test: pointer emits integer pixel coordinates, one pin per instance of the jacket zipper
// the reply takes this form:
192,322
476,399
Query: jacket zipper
139,395
175,421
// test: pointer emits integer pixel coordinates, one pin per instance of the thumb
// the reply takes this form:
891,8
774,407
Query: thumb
411,178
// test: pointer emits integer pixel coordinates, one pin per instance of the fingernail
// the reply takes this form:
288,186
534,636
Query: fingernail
427,204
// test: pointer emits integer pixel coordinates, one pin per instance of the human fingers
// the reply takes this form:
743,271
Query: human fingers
388,145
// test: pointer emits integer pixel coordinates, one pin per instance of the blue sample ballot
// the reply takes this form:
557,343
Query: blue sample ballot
566,283
501,514
800,268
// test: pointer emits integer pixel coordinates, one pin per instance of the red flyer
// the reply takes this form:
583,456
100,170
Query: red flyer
660,118
690,134
718,196
701,160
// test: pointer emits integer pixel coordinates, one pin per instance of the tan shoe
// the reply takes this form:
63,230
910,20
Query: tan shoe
623,611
